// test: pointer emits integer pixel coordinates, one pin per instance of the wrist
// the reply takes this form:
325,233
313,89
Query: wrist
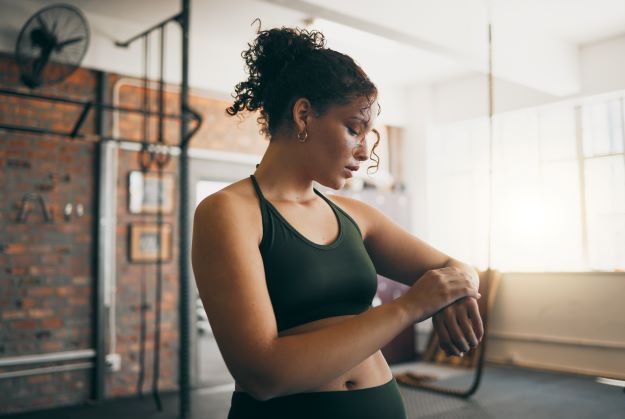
408,312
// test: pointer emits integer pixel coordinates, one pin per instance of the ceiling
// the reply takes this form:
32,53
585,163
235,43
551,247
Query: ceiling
398,42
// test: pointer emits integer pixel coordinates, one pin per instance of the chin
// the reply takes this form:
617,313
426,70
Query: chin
335,184
339,184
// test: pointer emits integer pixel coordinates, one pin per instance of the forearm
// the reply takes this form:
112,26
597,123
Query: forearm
475,279
298,363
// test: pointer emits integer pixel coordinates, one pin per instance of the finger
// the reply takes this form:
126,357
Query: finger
462,317
476,319
455,332
444,340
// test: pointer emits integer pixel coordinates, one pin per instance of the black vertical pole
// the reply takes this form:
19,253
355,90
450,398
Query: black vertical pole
101,129
185,394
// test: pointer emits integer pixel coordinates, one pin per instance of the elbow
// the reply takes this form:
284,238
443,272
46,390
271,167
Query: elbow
262,391
260,386
260,375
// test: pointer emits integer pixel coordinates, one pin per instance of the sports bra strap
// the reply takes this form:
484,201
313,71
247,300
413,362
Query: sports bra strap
258,191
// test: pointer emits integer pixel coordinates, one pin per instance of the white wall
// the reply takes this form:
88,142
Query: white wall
565,321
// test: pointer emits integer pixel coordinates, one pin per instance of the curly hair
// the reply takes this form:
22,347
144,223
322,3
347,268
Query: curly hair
284,64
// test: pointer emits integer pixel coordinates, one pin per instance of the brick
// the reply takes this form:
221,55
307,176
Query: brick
24,324
37,313
27,302
80,280
51,346
77,301
51,323
13,314
51,259
64,291
35,379
16,271
40,292
15,248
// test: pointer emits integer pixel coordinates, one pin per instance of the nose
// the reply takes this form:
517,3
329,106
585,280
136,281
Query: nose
360,151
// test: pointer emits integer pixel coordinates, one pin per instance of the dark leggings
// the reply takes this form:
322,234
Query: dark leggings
374,402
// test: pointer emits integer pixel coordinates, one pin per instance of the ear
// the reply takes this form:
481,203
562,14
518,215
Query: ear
302,112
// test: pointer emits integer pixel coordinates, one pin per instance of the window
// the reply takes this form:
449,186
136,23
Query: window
558,188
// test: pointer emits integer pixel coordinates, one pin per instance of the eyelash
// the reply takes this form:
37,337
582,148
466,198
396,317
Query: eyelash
352,131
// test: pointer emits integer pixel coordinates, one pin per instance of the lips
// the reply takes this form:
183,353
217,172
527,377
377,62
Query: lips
353,168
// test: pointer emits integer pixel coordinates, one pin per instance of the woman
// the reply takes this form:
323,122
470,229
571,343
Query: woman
287,275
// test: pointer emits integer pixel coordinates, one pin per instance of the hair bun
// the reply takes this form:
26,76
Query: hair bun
273,50
266,58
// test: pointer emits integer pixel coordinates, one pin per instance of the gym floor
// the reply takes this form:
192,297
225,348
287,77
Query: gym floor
505,392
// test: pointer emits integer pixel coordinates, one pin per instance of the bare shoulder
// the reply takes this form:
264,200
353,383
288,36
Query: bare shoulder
358,210
238,201
239,192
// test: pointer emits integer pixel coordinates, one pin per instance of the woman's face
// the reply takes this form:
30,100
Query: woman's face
338,141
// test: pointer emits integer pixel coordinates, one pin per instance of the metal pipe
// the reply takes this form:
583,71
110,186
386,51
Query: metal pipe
146,106
81,119
46,370
49,357
157,26
185,135
105,106
85,137
161,85
101,126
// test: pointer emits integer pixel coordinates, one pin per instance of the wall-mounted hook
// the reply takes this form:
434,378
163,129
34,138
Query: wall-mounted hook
25,207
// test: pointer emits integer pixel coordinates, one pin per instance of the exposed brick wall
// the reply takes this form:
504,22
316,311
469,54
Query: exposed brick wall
127,315
218,132
47,279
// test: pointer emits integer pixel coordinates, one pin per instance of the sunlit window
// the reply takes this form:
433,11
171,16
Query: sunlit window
558,189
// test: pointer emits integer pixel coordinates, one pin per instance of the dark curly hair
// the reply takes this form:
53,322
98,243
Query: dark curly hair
286,64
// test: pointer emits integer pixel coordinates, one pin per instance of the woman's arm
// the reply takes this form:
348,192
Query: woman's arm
403,257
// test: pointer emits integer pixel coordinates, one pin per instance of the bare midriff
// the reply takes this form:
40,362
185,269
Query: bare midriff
373,371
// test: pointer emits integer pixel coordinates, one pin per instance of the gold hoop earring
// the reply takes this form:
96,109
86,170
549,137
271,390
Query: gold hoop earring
302,139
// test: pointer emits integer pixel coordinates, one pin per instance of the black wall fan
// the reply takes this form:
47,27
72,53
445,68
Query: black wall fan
51,45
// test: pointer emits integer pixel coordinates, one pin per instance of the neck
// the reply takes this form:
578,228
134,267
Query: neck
283,172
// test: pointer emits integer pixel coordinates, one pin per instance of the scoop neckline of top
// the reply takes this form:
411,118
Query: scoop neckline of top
332,245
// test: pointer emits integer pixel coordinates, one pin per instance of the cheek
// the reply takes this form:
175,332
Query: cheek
335,145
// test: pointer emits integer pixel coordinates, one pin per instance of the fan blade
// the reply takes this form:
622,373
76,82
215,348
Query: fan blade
43,24
40,63
69,42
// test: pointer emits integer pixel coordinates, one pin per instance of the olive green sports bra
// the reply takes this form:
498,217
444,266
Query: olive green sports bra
309,281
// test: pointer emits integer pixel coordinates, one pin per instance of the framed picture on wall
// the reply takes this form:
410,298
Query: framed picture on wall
143,242
143,192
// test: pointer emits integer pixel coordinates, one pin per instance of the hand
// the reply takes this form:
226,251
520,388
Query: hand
459,327
435,290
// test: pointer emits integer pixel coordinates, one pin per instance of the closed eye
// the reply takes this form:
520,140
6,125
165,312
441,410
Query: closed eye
352,131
